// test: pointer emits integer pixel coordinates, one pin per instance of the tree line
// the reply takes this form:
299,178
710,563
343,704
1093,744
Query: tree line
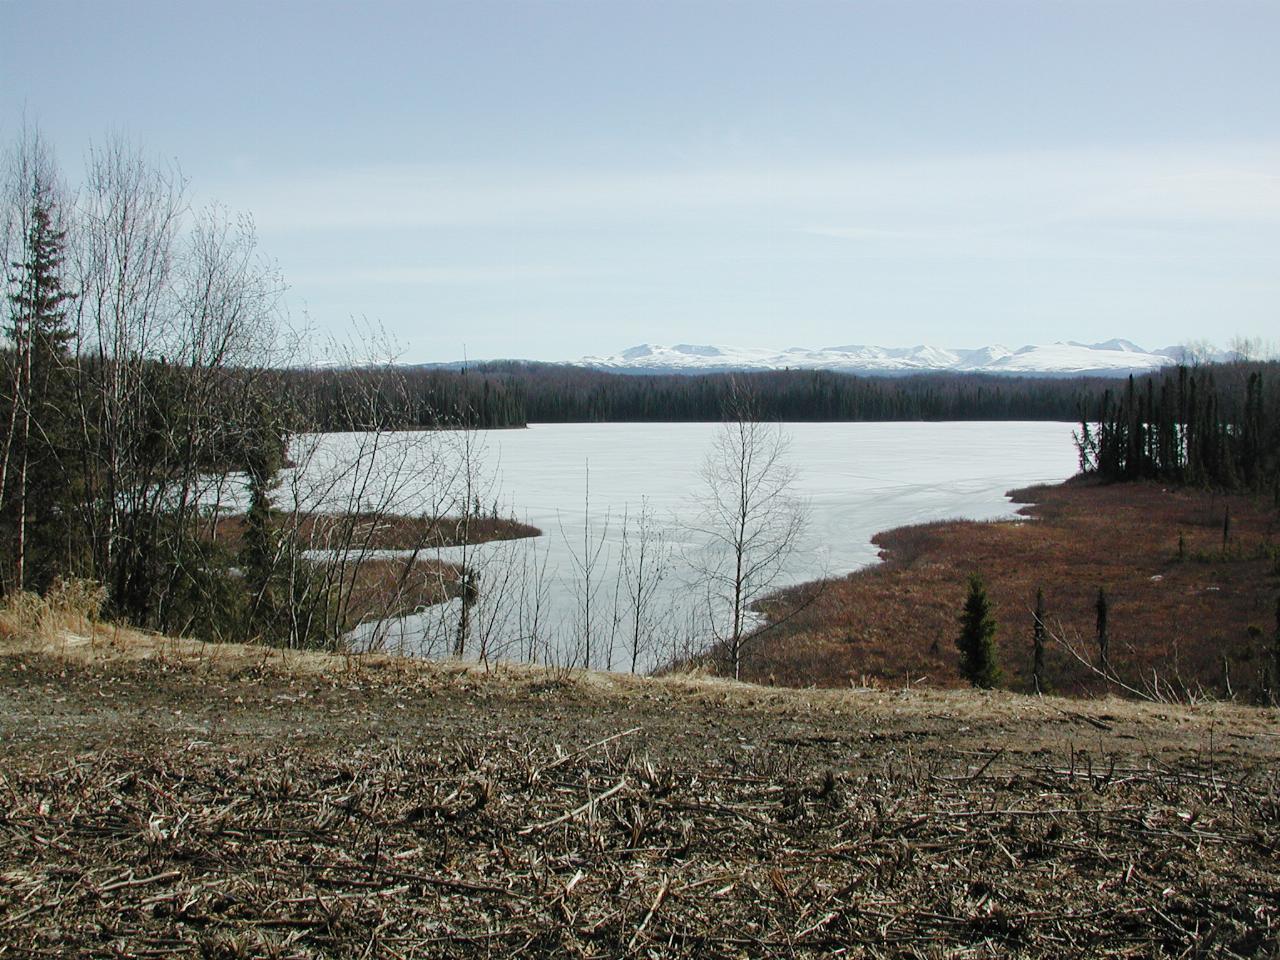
1217,426
133,328
513,394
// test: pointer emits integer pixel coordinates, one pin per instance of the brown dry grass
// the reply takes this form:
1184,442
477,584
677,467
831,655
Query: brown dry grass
389,587
1175,620
386,532
394,587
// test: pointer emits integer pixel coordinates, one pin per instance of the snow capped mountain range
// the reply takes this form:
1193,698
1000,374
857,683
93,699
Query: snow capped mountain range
1111,358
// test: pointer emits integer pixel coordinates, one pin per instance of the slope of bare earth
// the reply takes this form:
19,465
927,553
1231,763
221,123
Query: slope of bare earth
1184,620
166,798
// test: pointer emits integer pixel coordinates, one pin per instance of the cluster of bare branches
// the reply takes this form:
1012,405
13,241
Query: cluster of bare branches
631,590
750,521
146,401
1153,688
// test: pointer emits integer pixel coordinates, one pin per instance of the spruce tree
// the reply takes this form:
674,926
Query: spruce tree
977,643
38,394
1104,640
258,556
267,600
1037,640
1275,660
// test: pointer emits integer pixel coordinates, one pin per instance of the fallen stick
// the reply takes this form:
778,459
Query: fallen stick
141,881
575,811
585,750
657,902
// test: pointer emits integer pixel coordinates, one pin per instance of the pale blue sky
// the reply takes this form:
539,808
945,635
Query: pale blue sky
547,180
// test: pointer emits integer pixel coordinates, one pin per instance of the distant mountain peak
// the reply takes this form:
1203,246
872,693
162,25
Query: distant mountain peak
1116,343
1115,357
695,350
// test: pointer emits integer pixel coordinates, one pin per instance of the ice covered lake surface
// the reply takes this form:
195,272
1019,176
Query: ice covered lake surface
857,478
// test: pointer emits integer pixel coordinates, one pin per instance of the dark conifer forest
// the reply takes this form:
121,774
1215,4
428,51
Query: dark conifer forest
1215,426
515,393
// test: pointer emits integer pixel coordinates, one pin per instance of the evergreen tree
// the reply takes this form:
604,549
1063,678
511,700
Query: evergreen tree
1037,640
263,453
1275,660
977,643
260,546
1104,640
38,441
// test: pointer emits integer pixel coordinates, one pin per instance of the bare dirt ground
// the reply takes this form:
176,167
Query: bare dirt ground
164,798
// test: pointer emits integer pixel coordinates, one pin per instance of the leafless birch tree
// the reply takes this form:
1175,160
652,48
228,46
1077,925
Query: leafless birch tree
645,565
749,518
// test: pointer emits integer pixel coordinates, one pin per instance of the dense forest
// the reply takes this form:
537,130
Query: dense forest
514,393
1214,426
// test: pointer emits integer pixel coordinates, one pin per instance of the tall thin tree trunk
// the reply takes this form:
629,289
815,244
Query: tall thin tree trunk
8,437
16,400
24,453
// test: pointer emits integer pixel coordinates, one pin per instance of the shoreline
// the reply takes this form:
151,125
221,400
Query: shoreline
392,571
1177,614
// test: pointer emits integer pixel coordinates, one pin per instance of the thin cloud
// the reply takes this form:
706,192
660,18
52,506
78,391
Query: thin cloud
930,194
419,276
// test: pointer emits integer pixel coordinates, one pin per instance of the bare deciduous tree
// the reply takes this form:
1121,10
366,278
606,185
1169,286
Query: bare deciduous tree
588,566
750,519
169,306
645,564
342,491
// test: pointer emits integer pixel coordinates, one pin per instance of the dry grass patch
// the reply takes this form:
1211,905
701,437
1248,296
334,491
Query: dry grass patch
1176,613
322,531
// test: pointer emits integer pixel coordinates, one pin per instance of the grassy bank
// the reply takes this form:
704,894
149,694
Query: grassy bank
384,531
1191,613
388,569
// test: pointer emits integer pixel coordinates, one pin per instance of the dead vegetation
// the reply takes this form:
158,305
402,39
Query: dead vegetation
386,562
244,803
384,531
1192,611
388,587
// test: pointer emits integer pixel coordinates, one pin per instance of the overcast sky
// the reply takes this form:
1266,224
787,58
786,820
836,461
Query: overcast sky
554,179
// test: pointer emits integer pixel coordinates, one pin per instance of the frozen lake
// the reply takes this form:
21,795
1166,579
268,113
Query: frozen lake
857,479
